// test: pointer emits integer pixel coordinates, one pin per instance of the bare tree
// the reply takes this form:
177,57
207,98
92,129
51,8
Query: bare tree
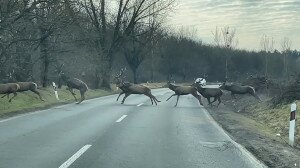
122,23
267,45
50,17
15,28
217,37
226,38
286,48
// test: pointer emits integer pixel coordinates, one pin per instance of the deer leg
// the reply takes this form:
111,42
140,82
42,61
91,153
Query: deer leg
82,97
215,99
177,100
15,94
6,95
72,92
255,95
151,97
232,95
126,95
219,100
208,100
198,97
38,93
170,97
120,95
154,99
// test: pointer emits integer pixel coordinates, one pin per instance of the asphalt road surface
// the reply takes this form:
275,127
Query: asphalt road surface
102,133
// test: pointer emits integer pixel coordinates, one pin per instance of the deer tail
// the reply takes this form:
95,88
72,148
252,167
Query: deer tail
252,89
36,86
18,87
87,88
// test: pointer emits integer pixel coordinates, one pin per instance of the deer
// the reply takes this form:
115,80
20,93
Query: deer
29,86
9,88
128,88
183,90
72,83
24,86
216,93
238,89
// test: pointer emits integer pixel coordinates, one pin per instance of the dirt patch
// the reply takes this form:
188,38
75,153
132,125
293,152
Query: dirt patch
255,132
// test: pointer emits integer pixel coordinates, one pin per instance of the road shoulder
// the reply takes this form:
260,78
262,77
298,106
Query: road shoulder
256,138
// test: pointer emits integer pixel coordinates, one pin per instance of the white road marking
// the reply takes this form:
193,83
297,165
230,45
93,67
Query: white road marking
120,119
75,156
140,104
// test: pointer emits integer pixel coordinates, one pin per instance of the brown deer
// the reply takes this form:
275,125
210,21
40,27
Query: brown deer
183,90
128,88
216,93
73,83
9,88
29,86
24,86
238,89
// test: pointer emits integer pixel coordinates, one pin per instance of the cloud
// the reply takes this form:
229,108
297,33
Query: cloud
251,18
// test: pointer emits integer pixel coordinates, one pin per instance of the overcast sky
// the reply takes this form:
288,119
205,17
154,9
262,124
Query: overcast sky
251,18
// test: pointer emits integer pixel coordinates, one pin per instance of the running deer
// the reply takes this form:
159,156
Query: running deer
216,93
128,88
238,89
183,90
9,88
72,83
24,86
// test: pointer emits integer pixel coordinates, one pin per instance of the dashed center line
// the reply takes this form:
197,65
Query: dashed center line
120,119
140,104
75,156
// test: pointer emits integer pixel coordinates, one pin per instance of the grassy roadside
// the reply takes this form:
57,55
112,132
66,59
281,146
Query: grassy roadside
276,119
28,101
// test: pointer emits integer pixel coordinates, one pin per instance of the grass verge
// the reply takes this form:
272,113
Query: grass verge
275,118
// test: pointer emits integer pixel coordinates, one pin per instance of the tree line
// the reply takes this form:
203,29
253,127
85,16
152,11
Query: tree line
96,38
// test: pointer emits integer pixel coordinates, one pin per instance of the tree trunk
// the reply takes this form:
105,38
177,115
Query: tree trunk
106,80
97,78
45,59
106,72
134,75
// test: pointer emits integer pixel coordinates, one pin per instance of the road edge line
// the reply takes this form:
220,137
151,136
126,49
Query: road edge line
243,150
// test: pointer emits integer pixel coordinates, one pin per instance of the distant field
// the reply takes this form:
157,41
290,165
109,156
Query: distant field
28,101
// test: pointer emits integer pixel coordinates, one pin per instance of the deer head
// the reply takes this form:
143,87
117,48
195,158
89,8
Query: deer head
61,76
119,77
223,85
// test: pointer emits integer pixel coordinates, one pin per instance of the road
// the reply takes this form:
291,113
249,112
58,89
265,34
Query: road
103,133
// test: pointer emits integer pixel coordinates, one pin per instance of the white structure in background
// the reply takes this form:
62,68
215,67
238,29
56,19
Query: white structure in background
55,91
292,124
201,81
